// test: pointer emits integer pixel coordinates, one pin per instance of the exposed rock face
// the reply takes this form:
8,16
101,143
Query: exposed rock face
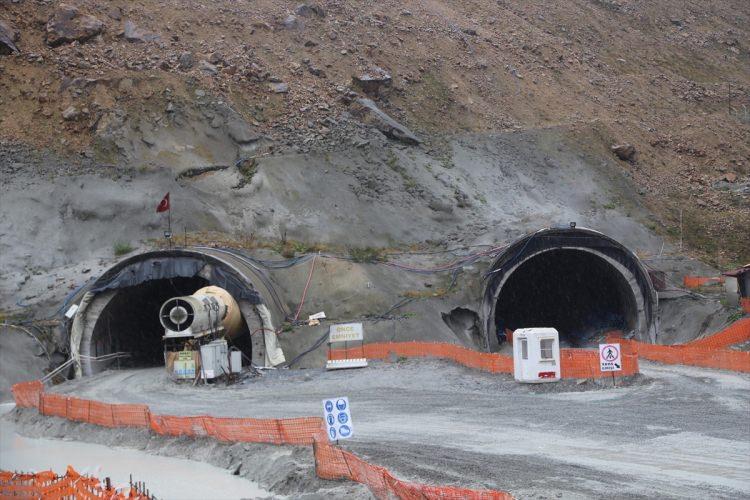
368,112
373,81
8,37
625,152
67,24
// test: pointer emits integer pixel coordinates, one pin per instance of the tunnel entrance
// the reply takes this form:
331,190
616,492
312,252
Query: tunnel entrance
576,291
130,321
574,279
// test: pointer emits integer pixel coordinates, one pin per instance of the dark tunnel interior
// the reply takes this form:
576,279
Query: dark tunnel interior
130,321
576,292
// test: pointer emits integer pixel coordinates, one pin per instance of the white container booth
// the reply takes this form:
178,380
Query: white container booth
536,355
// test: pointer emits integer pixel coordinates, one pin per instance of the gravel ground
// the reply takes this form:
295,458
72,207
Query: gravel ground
672,432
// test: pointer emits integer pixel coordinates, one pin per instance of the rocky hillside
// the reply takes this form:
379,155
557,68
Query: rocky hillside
193,87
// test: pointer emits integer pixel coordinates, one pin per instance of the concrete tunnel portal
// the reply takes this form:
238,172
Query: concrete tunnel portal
119,311
578,281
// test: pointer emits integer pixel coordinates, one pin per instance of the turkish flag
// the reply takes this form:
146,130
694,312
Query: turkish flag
163,204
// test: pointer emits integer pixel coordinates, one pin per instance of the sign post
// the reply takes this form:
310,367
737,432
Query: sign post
338,418
610,359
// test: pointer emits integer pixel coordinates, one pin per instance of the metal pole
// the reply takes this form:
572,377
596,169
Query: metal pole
169,219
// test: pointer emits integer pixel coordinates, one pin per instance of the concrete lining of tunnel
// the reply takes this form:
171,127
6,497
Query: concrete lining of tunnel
645,303
89,317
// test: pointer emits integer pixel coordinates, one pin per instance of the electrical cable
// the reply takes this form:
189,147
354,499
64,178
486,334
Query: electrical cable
315,346
304,292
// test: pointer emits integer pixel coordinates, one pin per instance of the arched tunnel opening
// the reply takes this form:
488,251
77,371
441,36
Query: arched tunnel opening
130,321
576,291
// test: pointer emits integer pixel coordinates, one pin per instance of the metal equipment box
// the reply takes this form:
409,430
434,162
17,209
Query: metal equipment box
214,359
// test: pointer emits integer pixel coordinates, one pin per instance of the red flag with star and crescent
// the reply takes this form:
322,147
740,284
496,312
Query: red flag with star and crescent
163,204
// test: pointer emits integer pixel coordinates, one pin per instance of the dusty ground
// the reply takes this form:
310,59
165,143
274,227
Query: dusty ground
674,432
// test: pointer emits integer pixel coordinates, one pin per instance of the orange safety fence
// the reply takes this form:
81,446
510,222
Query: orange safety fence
709,352
47,484
27,394
745,304
94,412
294,431
489,362
329,464
737,332
585,363
575,363
699,281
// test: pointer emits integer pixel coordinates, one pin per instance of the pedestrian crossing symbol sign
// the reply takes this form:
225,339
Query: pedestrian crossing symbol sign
609,357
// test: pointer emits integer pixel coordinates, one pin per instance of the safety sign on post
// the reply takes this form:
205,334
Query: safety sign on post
609,357
349,332
338,417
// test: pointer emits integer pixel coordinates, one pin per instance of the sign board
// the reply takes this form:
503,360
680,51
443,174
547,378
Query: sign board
71,311
184,365
347,332
609,357
338,418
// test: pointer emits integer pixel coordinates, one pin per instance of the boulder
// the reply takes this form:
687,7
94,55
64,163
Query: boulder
241,132
133,33
67,25
70,113
371,82
368,112
209,68
307,10
186,60
216,58
625,152
292,23
8,39
279,88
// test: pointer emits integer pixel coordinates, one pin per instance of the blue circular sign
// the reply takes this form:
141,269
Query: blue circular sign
330,419
329,406
332,433
343,418
345,431
341,404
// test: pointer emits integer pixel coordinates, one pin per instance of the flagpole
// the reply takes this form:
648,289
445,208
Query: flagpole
169,219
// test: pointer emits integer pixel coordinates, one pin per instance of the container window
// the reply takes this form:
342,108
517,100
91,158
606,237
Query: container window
546,348
524,349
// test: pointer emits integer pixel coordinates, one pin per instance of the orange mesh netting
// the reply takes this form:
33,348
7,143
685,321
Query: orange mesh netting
737,332
574,363
331,462
745,304
26,394
699,281
47,484
295,431
709,352
93,412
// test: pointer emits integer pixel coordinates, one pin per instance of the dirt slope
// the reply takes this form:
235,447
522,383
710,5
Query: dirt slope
184,84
